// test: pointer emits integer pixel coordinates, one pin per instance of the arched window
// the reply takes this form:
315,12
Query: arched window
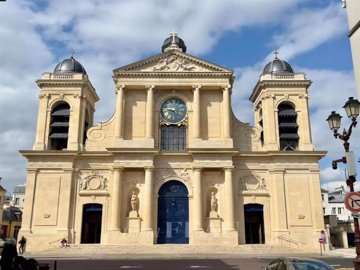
86,125
288,127
59,127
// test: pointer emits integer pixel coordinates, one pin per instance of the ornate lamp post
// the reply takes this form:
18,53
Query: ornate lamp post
352,108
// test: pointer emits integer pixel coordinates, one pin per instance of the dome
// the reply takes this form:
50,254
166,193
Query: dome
69,66
173,42
278,66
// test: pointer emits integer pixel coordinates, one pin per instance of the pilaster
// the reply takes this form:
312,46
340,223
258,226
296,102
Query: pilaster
65,203
226,111
149,133
196,112
229,200
198,213
115,221
148,189
119,113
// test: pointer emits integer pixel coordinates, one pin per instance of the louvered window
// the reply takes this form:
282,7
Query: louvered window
288,127
59,127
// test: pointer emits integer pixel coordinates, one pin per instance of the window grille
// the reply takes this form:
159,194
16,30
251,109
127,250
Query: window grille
173,138
288,127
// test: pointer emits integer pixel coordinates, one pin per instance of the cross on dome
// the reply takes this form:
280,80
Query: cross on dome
276,53
173,35
72,52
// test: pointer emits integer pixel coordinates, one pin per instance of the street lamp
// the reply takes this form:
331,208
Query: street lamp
352,108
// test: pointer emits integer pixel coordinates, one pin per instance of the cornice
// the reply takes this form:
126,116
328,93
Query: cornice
285,154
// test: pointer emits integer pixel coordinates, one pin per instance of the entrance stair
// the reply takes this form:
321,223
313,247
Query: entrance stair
165,251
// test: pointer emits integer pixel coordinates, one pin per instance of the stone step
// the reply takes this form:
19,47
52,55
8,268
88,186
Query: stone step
74,250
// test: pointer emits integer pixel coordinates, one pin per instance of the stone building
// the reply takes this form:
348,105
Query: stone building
173,164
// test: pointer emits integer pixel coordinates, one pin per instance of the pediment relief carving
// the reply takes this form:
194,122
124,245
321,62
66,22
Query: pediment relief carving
252,182
182,173
172,62
93,182
175,63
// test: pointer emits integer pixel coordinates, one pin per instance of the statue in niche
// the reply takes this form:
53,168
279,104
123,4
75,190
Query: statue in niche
134,202
213,202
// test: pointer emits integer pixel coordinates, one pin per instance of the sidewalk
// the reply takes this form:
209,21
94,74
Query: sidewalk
341,252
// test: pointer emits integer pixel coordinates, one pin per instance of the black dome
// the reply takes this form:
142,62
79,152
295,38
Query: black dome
69,66
277,66
173,40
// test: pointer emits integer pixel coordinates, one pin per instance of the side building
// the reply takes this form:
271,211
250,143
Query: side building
173,165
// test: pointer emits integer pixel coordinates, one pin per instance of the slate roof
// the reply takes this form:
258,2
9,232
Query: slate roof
12,214
20,189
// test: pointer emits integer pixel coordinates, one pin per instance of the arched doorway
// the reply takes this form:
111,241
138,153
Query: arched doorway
91,223
254,223
173,214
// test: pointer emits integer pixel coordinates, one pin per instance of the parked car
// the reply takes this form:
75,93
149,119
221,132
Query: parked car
297,264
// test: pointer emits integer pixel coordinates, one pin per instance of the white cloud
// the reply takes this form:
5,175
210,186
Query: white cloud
109,34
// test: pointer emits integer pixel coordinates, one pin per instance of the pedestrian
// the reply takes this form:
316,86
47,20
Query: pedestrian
64,243
22,243
324,238
8,256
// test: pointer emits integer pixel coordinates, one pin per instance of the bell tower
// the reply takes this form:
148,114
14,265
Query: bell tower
281,110
66,107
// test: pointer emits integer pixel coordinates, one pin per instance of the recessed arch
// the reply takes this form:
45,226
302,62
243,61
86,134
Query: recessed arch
173,213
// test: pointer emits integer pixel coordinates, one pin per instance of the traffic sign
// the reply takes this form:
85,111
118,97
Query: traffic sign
352,201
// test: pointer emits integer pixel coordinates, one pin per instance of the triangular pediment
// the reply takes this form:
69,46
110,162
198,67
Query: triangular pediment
172,62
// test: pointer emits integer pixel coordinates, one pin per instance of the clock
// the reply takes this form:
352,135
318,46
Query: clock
173,110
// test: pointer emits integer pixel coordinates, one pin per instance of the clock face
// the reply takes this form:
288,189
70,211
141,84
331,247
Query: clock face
173,110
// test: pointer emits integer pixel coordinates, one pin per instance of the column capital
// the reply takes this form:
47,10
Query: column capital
230,168
149,169
119,88
226,87
196,87
198,169
118,168
149,87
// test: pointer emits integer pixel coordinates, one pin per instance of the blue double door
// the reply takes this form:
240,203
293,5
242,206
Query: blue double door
173,214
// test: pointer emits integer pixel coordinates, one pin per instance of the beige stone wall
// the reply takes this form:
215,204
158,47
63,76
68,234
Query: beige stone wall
224,156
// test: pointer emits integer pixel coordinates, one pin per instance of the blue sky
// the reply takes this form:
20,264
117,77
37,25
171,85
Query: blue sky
238,34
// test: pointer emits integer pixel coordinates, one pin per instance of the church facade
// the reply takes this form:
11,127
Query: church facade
173,165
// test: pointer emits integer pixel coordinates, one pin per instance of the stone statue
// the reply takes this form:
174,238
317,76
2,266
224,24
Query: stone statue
213,202
133,201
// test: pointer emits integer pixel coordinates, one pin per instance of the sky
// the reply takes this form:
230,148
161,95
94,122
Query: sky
241,35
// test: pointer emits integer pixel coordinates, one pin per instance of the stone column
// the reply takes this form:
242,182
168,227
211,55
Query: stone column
226,111
149,112
196,111
198,215
115,223
148,198
119,114
229,200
